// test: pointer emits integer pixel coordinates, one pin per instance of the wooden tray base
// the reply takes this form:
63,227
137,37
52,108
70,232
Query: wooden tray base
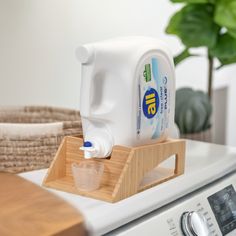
127,172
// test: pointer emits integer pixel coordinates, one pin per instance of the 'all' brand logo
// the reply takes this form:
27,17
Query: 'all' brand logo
150,103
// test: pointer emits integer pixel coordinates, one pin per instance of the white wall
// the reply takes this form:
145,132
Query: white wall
38,39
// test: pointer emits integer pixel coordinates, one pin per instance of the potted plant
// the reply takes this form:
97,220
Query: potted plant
193,114
210,24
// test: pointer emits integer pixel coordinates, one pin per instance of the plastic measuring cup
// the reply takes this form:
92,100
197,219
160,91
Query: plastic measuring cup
87,175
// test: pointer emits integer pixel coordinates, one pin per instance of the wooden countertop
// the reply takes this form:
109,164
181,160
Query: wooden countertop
27,209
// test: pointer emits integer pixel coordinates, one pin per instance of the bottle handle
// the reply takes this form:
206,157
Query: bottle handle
85,55
85,91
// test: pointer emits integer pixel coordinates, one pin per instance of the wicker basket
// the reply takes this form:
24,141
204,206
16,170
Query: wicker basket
30,136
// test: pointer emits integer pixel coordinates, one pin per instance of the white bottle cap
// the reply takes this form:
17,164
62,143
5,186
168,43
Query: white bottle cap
98,143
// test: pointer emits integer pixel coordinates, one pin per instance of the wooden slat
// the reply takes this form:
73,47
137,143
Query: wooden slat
67,185
57,168
123,171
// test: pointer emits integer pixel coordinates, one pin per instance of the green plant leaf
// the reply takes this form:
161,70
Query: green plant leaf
225,50
182,95
225,13
194,25
199,114
192,111
191,1
182,56
208,107
232,32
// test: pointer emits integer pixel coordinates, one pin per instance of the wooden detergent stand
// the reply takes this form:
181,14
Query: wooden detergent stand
126,173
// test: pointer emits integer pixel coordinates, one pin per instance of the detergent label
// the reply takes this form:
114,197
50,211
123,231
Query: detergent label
153,100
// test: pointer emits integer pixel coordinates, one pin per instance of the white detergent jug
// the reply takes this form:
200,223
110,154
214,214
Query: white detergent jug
127,93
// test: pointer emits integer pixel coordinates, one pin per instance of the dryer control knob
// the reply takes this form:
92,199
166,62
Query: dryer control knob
193,224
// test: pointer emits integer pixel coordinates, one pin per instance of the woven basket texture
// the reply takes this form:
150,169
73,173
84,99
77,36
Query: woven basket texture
21,153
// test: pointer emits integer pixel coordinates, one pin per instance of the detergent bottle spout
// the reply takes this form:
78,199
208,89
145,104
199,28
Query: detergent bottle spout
88,149
97,144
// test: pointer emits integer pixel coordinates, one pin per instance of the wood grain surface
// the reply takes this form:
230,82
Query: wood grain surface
27,209
124,171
